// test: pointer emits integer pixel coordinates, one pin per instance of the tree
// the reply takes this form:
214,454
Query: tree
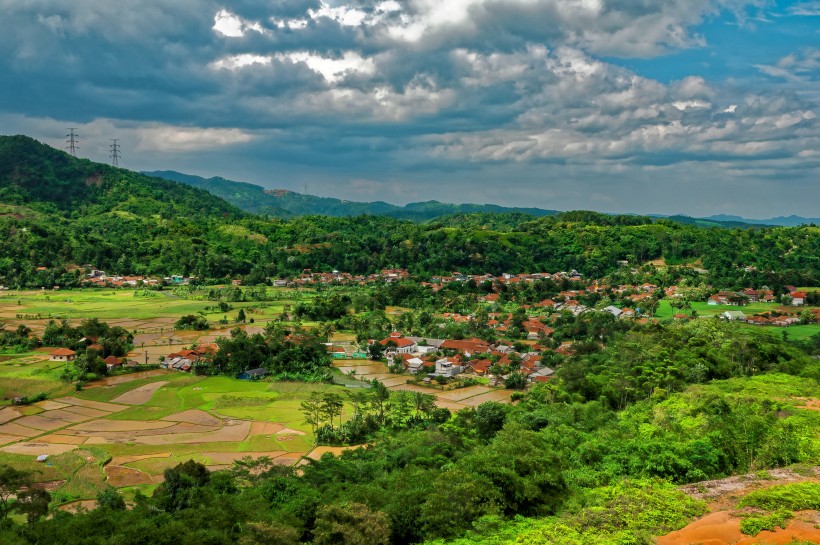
515,381
489,419
375,351
350,524
331,407
111,499
33,502
181,486
240,317
312,411
12,480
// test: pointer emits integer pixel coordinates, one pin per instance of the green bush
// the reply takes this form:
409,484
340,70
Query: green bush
795,497
754,524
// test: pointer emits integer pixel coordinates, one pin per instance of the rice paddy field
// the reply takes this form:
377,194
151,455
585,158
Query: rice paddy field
125,430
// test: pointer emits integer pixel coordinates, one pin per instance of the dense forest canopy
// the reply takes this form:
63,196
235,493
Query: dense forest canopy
59,210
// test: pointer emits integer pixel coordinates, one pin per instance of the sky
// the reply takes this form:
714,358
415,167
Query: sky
638,106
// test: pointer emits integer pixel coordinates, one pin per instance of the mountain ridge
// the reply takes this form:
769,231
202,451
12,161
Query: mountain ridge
284,203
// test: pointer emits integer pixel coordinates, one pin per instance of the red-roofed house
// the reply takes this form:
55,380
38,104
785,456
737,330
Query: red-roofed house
62,354
398,344
798,298
112,362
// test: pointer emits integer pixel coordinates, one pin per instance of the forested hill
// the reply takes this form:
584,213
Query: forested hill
38,176
57,211
281,203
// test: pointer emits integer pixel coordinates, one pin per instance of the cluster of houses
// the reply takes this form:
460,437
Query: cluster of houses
437,282
96,277
310,278
740,298
111,362
184,360
469,356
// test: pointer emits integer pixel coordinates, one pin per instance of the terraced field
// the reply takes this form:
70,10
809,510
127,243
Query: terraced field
125,431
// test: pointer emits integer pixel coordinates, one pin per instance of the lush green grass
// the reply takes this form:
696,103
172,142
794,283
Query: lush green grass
701,308
126,304
18,379
793,333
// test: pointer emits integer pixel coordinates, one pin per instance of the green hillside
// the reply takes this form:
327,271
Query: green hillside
56,210
282,203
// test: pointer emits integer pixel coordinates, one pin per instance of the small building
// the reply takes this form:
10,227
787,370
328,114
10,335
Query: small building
254,374
113,361
446,368
733,315
798,298
62,354
414,365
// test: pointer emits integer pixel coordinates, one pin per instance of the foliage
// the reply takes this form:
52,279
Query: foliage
794,497
754,524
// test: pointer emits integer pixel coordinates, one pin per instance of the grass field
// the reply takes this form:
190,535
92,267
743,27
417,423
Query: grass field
704,309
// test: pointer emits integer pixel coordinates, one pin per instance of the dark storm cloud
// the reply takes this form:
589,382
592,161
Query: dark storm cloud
415,99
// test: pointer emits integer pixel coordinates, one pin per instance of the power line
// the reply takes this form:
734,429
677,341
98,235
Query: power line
72,141
114,148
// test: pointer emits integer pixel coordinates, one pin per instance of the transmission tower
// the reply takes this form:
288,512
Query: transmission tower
115,152
72,139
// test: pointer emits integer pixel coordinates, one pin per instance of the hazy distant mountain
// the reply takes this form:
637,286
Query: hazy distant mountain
784,221
283,203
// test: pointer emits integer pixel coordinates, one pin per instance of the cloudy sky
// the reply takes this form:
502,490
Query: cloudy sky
647,106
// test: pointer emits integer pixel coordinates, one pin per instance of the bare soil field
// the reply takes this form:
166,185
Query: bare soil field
195,416
141,395
118,476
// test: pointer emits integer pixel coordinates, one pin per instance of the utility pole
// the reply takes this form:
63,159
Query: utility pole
115,152
73,138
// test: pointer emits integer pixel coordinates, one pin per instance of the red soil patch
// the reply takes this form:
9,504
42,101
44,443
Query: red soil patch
722,528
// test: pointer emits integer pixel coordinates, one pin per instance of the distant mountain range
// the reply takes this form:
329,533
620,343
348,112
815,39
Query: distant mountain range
784,221
282,203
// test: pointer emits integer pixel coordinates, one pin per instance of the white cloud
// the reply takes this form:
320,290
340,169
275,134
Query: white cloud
332,69
232,26
169,139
